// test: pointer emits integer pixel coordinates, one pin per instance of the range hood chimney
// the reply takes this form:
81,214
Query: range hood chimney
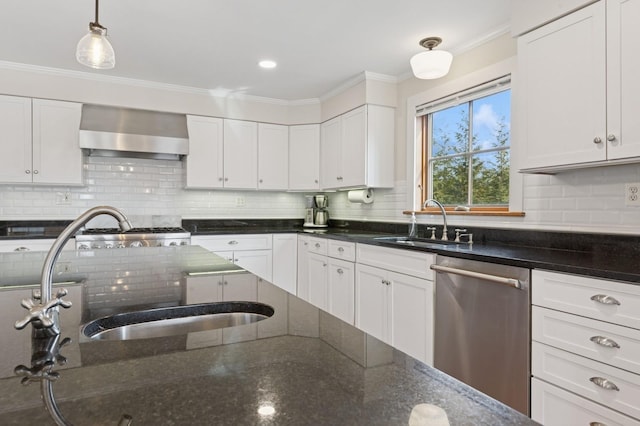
133,133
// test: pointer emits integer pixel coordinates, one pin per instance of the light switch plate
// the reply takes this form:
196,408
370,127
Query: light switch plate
632,194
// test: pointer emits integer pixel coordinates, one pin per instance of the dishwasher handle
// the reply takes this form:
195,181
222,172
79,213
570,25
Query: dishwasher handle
511,282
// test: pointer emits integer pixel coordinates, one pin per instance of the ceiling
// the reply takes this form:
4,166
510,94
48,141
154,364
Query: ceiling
216,44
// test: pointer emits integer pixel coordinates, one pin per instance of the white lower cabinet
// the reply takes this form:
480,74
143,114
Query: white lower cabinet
251,252
553,406
285,261
397,309
394,298
324,281
586,350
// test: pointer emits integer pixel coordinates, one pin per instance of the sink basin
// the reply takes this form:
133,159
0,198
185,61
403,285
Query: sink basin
424,243
176,320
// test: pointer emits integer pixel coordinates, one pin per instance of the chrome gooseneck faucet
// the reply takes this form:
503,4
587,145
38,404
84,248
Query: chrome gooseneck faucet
444,216
44,315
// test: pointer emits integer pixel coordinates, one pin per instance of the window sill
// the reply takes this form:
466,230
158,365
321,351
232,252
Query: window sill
452,212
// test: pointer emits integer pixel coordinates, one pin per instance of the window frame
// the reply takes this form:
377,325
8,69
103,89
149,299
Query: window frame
470,95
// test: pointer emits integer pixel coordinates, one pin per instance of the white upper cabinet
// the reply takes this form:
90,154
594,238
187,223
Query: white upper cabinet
577,90
273,156
304,157
205,162
39,141
240,154
357,149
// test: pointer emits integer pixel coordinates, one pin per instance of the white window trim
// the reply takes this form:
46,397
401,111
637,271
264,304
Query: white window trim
414,149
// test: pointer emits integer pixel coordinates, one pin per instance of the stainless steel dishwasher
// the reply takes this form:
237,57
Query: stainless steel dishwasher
482,330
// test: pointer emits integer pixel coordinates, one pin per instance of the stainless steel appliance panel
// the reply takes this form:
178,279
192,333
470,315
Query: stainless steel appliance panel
482,327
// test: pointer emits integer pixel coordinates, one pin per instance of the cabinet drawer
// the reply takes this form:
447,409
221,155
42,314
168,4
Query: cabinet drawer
577,374
552,406
619,302
342,250
318,246
619,346
233,242
407,262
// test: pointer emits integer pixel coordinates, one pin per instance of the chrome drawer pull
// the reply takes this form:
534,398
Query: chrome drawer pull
232,242
317,245
605,341
605,300
340,249
604,383
21,249
340,271
597,424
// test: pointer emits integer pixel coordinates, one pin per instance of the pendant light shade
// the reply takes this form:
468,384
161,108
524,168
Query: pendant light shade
432,63
94,49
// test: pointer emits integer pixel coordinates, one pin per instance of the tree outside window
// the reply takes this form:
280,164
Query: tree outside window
467,152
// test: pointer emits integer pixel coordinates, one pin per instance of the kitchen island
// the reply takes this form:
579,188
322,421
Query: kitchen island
301,366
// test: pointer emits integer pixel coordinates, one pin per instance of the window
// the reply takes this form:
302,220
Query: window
466,144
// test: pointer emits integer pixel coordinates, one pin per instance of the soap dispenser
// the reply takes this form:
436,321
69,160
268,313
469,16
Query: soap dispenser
413,226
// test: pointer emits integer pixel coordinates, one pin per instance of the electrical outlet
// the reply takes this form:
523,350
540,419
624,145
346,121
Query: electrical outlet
239,201
632,194
63,198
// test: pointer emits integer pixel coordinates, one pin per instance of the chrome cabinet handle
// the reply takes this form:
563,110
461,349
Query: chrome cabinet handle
604,383
232,242
260,181
317,245
340,249
597,140
340,271
605,341
597,424
27,171
35,172
220,179
604,299
21,249
386,282
611,137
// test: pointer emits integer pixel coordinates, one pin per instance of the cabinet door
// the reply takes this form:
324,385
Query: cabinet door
285,260
273,156
15,139
205,161
318,281
623,87
353,153
303,268
562,98
330,146
240,154
304,157
342,289
412,316
372,302
57,157
258,262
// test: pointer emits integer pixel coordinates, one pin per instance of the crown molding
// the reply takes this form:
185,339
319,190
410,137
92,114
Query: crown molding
357,79
147,84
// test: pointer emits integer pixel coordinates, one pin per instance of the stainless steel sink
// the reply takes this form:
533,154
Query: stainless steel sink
162,322
423,243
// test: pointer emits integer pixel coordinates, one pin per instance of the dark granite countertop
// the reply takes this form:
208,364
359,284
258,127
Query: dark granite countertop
598,255
306,365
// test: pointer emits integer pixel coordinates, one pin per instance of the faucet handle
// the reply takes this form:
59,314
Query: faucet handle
39,313
433,232
37,373
458,231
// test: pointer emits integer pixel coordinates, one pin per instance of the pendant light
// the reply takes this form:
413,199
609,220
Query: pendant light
94,49
432,63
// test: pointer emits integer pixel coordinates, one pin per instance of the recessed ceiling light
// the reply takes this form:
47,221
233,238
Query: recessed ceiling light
267,64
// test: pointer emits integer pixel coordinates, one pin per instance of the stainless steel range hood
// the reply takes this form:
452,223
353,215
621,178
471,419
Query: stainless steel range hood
124,132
